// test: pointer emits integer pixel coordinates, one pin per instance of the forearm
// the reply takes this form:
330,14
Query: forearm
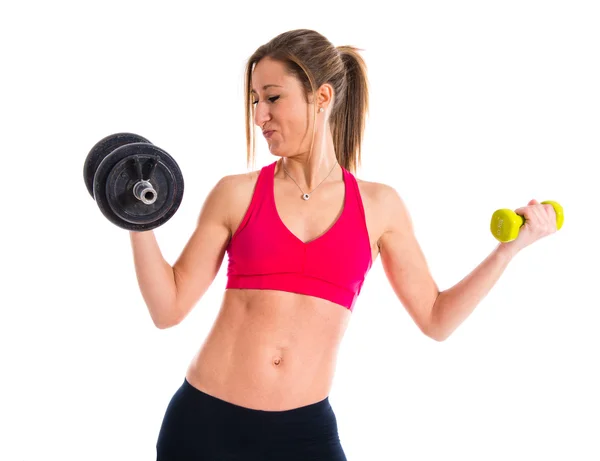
155,277
455,304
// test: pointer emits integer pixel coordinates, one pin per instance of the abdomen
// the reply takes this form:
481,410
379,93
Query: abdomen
270,350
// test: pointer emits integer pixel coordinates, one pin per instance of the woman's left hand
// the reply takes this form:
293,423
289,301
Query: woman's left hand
540,221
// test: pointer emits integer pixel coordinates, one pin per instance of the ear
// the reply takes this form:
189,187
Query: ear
325,95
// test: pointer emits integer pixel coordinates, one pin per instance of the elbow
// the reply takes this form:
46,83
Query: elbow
435,334
167,314
166,322
164,325
438,338
435,331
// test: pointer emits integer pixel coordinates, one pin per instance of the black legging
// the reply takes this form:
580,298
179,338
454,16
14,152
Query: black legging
198,427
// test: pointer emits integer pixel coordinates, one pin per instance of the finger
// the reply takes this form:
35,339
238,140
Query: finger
550,210
523,211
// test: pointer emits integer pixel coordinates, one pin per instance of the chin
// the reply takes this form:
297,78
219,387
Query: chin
275,151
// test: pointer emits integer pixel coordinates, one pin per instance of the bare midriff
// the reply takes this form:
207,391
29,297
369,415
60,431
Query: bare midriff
270,350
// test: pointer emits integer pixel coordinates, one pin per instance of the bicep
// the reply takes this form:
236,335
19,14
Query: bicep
404,262
201,259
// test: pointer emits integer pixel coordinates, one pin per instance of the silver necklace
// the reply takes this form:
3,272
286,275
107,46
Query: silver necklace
306,196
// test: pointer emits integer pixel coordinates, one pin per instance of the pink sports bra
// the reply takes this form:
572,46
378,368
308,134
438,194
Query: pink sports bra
265,255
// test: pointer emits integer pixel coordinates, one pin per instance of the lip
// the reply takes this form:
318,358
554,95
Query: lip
268,133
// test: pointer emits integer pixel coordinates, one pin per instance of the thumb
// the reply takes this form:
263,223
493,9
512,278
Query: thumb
533,202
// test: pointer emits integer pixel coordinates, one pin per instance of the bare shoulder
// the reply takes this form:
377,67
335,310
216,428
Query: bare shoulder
234,196
388,198
376,191
384,208
230,184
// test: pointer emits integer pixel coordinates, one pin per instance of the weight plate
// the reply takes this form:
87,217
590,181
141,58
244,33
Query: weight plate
100,150
119,172
122,180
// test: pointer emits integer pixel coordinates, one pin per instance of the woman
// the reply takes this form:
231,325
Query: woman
301,235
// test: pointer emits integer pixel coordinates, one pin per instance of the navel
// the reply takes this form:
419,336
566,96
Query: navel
277,360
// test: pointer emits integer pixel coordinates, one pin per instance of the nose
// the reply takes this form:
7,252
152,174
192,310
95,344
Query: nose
261,114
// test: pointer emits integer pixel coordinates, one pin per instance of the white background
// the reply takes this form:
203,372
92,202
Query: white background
475,106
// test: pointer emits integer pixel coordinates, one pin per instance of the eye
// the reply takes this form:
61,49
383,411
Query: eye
272,99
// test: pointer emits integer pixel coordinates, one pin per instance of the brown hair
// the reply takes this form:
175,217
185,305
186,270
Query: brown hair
314,61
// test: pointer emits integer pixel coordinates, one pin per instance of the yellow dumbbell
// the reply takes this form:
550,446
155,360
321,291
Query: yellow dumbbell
506,223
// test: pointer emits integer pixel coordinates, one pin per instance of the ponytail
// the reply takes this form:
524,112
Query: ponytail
348,121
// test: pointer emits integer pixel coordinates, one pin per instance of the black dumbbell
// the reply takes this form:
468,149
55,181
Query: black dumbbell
136,185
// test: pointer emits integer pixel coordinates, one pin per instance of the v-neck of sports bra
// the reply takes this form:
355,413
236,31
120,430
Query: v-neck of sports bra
329,230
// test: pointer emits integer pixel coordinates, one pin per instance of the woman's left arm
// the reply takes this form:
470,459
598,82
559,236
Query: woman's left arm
437,313
455,304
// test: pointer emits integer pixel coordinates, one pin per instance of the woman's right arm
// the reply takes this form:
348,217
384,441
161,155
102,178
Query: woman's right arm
170,292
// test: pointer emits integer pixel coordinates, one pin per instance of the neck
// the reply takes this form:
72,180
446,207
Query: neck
307,172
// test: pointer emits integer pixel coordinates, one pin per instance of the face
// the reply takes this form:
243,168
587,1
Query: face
280,109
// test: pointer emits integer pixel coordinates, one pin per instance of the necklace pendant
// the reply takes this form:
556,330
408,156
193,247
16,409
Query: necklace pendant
306,196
